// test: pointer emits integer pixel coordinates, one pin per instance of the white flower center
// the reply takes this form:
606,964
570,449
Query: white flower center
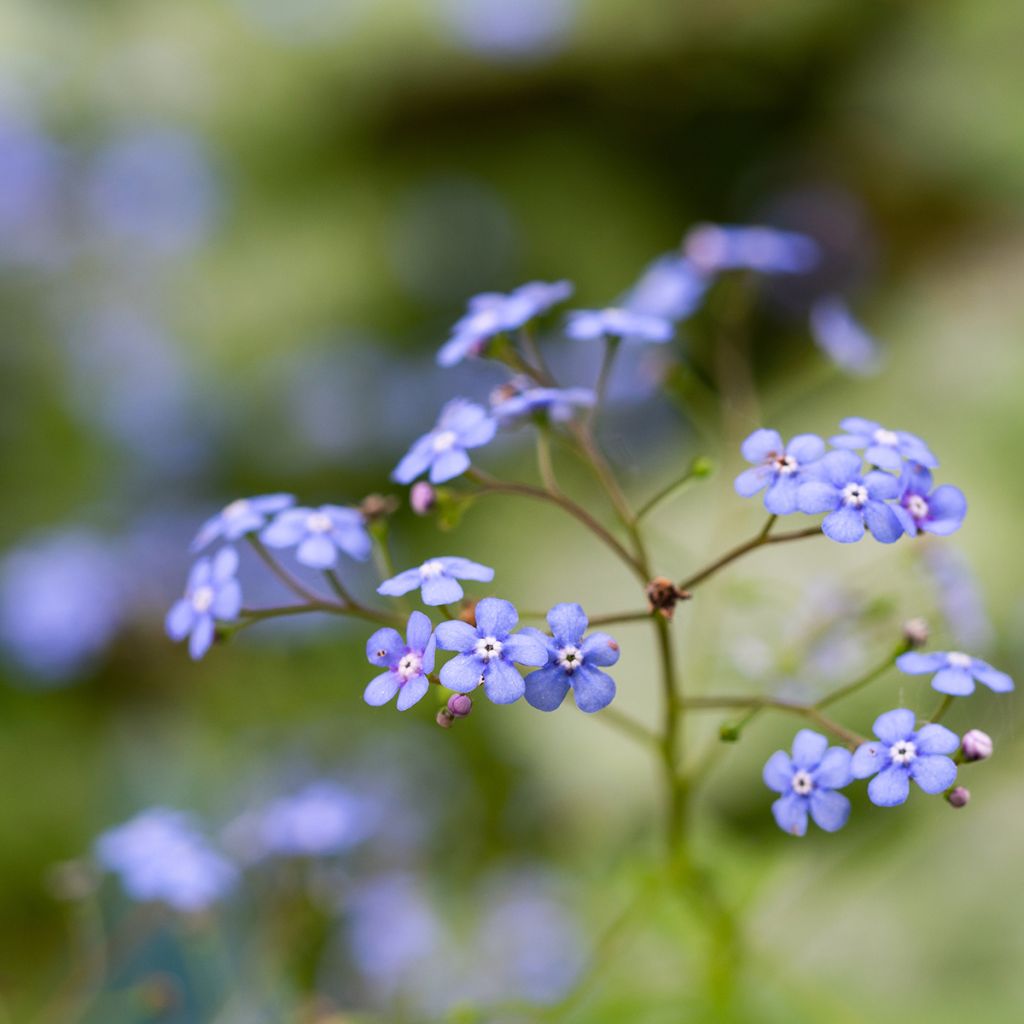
784,465
570,658
902,752
432,569
202,599
488,647
886,437
319,522
410,666
444,441
855,495
237,509
802,782
917,506
957,659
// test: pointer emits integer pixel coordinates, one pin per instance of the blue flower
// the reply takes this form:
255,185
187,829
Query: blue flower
853,501
518,399
716,247
777,466
903,754
461,425
671,288
212,593
572,662
488,652
493,313
883,448
438,578
955,671
318,534
591,324
940,511
321,819
246,515
808,781
408,663
160,856
841,337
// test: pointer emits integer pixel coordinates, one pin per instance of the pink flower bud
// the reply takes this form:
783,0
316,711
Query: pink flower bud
445,718
422,498
976,745
915,632
959,796
460,704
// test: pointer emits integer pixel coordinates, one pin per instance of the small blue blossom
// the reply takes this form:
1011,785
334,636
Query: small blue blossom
920,508
902,754
160,856
494,313
488,652
853,501
572,663
518,399
808,782
245,515
461,425
670,288
592,324
842,338
320,820
777,466
437,578
212,594
318,534
886,449
408,663
954,671
713,248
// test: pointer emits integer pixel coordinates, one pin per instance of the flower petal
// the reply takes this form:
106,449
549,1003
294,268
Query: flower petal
592,689
808,749
750,481
791,814
418,631
449,465
495,617
464,569
890,787
456,635
317,552
894,726
568,623
381,689
525,649
502,683
178,622
781,497
936,739
546,688
884,457
830,810
412,692
228,602
462,673
415,462
761,444
883,523
882,486
817,496
957,682
441,590
202,637
384,647
806,448
400,584
778,772
845,526
998,682
916,663
868,759
933,772
835,770
600,649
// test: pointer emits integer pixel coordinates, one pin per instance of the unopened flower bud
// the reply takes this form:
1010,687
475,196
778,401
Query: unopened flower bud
976,745
378,506
915,632
701,467
959,796
422,498
445,718
460,705
662,595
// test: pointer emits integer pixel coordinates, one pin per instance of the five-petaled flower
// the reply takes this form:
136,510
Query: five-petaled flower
245,515
954,672
212,594
920,508
461,425
853,500
808,782
437,579
408,662
718,247
488,652
842,338
318,534
777,466
572,663
902,753
886,449
515,401
592,324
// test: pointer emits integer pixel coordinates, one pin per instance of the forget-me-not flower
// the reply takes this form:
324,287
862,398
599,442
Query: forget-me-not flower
592,324
886,449
902,753
954,672
808,782
212,594
245,515
321,819
713,248
920,508
517,400
842,338
779,467
461,425
670,288
408,662
437,579
318,534
572,663
488,652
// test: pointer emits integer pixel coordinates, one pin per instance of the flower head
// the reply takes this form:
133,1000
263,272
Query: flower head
779,467
437,578
212,594
717,247
519,399
461,425
841,337
671,288
318,534
954,672
321,819
902,753
592,324
854,501
886,449
489,651
242,516
976,745
572,663
920,508
408,663
808,781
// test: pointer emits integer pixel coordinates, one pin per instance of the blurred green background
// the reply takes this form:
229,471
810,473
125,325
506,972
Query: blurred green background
232,235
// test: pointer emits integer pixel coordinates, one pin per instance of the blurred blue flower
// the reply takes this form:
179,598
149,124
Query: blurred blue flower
902,754
808,782
212,594
438,578
242,516
959,595
519,399
160,856
461,425
670,288
408,663
852,500
592,324
777,466
488,652
511,28
321,819
842,338
883,448
318,534
920,508
713,248
954,671
572,662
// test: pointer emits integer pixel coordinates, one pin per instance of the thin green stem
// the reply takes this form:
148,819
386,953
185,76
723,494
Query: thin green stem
334,581
940,712
808,711
697,471
542,373
624,723
292,582
611,348
671,736
545,464
868,677
617,618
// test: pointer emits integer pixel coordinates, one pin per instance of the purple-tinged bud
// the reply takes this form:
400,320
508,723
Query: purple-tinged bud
460,704
959,796
976,745
915,632
445,718
422,498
